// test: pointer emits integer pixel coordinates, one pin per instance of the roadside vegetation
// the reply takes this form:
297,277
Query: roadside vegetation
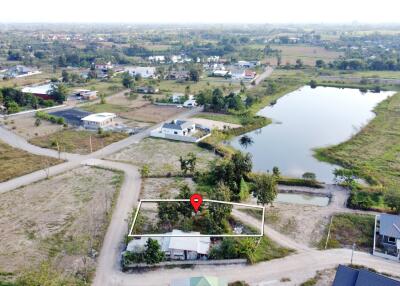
349,229
372,154
76,141
16,162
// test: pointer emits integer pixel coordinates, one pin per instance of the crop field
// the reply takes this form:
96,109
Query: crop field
308,54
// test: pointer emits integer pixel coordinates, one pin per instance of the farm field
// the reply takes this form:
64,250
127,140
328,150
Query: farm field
76,141
162,156
29,80
57,225
15,162
308,54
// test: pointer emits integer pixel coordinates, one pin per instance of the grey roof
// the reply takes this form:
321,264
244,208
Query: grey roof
346,276
178,125
390,225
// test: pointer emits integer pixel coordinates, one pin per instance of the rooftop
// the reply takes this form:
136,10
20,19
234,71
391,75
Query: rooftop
99,117
390,225
346,276
178,124
200,281
40,89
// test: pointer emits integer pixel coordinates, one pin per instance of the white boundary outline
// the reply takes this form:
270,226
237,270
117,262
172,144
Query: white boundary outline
199,235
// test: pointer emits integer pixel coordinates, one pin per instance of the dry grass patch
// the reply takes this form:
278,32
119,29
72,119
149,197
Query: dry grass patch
151,113
162,156
16,162
163,188
61,220
77,141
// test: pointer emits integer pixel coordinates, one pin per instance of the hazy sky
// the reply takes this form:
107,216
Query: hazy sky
201,11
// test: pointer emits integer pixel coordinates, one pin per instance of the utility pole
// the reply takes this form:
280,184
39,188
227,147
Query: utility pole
90,142
352,253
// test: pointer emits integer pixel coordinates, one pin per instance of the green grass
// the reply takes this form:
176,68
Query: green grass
77,141
106,107
373,152
268,250
15,162
347,229
228,118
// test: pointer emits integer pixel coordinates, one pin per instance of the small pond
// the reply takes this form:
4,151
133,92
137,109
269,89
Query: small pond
302,199
307,119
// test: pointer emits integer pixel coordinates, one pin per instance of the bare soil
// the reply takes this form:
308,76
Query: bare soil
162,156
163,188
59,220
24,126
152,113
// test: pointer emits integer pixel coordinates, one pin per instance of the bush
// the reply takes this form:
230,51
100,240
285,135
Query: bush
52,118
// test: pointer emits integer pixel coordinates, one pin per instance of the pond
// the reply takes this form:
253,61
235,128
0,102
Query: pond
302,199
307,119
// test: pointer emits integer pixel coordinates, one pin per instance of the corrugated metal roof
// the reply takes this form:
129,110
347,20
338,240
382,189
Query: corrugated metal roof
390,225
346,276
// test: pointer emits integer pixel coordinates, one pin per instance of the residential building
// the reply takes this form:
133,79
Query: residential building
42,91
248,64
98,120
179,127
248,74
180,97
144,72
190,103
387,236
103,66
221,73
87,94
20,71
200,281
147,89
178,75
238,74
177,245
347,276
157,59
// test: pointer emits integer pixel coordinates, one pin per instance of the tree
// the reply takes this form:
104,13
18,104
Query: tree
392,199
194,75
102,98
319,63
145,171
299,64
276,172
309,176
38,121
188,163
65,76
313,83
12,107
345,177
265,189
127,80
58,92
153,253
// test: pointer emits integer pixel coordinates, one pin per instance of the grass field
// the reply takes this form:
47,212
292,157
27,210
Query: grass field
107,88
77,141
347,229
15,162
374,151
106,107
308,54
268,250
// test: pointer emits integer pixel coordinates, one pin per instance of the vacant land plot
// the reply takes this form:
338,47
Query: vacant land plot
151,113
25,126
107,87
213,124
81,142
162,156
61,220
308,54
163,188
16,162
204,83
347,229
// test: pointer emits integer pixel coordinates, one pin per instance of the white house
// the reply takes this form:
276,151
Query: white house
190,103
144,72
248,64
87,94
178,127
387,236
178,97
238,74
104,66
98,120
157,59
177,245
221,73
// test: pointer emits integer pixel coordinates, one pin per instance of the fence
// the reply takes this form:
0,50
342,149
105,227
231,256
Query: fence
186,263
157,133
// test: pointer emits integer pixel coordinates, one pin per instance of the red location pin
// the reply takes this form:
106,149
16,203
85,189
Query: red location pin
196,200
